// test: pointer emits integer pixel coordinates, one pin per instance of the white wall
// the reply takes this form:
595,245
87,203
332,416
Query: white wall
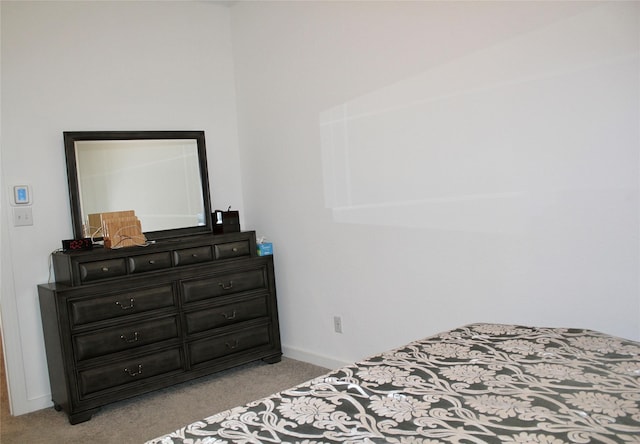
421,165
74,66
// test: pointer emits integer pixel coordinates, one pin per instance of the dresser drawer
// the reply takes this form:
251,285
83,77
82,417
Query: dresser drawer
232,249
190,256
223,284
150,262
227,314
219,346
129,371
124,337
94,271
84,311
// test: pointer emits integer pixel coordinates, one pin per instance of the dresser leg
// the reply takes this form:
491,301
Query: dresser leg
77,418
273,359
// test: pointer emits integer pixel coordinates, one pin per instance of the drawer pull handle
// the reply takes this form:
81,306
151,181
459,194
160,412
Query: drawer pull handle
232,345
234,249
228,286
133,338
125,307
134,373
105,269
194,255
152,262
228,316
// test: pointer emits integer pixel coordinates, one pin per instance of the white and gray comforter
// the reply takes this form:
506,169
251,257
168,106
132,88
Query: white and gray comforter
481,383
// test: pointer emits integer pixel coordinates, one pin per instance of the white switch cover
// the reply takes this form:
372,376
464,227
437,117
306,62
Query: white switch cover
22,216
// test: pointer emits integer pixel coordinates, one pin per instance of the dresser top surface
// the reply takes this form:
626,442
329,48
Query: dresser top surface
160,245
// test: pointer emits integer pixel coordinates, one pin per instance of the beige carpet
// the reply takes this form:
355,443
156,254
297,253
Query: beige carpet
155,414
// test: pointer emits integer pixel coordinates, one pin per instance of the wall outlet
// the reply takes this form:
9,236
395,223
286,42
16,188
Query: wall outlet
337,324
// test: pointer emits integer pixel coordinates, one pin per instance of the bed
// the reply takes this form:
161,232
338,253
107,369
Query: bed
480,383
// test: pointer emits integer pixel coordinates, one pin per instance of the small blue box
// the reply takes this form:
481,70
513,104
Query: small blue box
265,249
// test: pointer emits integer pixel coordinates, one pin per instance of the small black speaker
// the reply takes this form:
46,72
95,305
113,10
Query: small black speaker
225,222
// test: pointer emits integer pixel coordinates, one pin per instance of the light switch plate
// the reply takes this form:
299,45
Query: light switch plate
22,216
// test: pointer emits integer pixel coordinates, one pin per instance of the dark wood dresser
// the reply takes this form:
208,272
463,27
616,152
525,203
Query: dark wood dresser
118,323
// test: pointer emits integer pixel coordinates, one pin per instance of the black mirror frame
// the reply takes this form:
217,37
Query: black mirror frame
70,137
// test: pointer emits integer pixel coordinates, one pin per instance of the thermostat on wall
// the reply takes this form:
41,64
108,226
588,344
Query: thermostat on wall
21,195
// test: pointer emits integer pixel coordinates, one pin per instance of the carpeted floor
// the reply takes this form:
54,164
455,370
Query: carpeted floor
158,413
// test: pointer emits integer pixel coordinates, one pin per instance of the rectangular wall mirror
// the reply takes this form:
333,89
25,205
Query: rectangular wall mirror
161,175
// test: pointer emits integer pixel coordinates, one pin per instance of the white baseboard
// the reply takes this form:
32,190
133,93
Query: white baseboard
313,358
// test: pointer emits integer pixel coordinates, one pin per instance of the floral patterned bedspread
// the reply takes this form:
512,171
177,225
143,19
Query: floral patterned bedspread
481,383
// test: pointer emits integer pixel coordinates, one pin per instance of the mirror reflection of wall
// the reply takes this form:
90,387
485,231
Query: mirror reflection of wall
158,179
